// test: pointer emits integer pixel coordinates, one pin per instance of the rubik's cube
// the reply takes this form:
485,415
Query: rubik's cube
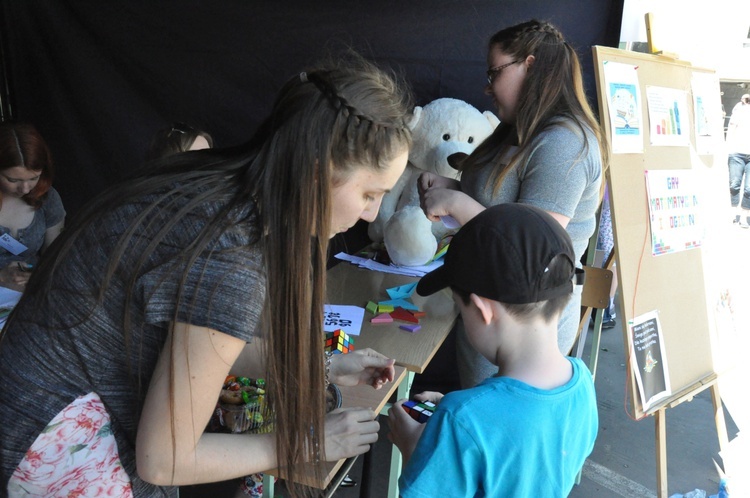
420,412
338,341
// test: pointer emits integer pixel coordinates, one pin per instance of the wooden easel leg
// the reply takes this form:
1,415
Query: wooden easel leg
660,421
721,426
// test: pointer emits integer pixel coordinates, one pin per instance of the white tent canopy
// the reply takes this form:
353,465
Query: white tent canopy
713,34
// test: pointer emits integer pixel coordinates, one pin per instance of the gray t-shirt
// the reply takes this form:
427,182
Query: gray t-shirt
58,349
48,215
561,175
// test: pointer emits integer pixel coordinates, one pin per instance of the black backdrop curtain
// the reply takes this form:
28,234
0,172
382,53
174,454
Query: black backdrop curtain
99,78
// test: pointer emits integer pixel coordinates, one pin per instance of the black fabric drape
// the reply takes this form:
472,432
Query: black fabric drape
99,78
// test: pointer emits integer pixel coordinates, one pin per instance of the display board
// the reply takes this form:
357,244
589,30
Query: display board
665,179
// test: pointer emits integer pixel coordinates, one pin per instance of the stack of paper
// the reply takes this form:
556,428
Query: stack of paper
412,271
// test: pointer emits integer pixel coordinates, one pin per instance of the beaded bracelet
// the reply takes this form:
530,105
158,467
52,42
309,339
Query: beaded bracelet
328,356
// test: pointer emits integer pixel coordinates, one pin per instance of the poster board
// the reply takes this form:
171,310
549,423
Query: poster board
672,284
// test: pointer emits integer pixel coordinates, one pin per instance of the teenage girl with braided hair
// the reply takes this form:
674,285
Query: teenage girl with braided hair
212,264
548,151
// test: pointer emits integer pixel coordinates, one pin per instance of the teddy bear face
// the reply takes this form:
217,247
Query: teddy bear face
440,129
443,127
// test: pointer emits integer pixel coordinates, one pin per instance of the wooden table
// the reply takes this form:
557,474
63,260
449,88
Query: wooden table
358,396
349,285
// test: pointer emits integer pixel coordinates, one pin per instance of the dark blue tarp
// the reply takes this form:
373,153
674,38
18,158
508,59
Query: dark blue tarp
99,78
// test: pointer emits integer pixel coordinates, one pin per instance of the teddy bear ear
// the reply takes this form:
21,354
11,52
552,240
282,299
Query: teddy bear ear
494,121
415,117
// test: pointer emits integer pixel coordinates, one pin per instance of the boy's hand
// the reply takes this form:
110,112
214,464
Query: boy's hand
432,396
405,431
362,366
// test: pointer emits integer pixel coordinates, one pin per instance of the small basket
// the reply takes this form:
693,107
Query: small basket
243,418
242,406
238,413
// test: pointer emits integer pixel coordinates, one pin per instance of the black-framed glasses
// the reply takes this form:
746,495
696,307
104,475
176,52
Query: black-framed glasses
493,72
181,128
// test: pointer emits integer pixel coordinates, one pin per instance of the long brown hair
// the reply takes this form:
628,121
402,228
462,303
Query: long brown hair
22,145
553,87
325,123
348,117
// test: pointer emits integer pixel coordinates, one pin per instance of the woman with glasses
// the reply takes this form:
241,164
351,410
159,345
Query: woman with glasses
179,137
548,151
208,264
31,211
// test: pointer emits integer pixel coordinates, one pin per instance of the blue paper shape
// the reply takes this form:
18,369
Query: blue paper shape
402,291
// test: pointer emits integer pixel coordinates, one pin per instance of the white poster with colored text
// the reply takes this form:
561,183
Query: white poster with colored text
675,211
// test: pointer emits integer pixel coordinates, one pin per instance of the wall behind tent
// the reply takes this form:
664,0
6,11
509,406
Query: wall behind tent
99,78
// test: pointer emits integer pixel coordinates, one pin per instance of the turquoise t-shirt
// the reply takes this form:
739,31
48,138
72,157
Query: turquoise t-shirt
506,438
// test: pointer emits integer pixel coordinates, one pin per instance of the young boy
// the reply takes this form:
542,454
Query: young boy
527,431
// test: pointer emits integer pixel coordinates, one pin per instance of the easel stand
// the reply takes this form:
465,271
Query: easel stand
660,423
646,277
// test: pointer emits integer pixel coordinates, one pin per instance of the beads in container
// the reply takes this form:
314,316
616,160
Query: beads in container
242,405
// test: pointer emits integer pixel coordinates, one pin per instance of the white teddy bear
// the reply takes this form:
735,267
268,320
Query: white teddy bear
441,128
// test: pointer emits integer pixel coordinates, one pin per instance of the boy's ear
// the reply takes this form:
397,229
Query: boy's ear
483,305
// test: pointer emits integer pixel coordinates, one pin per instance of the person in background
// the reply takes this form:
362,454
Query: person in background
31,211
210,263
605,243
526,431
738,148
548,152
179,137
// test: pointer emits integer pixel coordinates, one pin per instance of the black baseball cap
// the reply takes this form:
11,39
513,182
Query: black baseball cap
503,254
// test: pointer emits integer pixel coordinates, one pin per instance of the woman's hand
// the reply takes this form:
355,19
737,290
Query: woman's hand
349,432
363,366
429,181
15,275
439,202
405,431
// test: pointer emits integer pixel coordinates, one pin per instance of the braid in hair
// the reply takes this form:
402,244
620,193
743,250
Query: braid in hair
361,130
543,28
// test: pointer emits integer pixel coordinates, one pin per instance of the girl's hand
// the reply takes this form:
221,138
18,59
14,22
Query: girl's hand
405,431
362,366
349,432
429,181
438,202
